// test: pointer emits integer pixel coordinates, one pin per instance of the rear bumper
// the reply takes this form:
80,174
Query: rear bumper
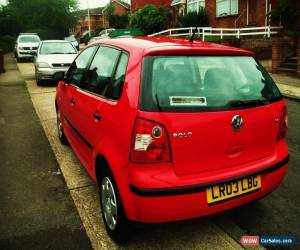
158,192
174,203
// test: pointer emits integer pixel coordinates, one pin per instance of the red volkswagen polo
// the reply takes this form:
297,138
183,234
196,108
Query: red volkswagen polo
172,129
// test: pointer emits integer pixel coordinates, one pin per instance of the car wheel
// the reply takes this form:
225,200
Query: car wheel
18,59
60,130
116,223
38,81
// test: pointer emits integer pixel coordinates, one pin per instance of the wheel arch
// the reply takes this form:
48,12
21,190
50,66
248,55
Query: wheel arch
101,165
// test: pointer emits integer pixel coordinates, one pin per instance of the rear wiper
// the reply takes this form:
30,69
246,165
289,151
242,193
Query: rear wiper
248,103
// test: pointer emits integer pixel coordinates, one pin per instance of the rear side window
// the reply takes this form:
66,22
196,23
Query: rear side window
195,83
106,74
100,72
115,90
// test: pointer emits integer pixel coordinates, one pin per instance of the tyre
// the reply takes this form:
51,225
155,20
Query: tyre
19,59
37,80
115,220
61,135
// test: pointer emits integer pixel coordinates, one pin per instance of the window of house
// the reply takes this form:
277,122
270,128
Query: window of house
226,7
195,5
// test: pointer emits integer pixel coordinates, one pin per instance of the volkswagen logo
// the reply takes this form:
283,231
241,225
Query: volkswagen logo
237,122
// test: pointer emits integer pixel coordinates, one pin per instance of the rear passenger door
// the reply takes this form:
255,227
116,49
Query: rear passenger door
99,86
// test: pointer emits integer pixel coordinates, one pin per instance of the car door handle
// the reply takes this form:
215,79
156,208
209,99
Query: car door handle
72,101
97,116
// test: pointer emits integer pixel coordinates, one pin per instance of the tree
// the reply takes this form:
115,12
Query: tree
54,17
288,12
114,20
193,19
150,19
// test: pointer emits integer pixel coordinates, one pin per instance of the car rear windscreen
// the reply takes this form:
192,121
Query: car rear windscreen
204,83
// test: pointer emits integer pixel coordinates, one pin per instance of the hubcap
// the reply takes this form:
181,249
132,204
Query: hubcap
109,203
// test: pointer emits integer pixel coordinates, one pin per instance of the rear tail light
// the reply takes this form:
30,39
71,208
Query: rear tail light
150,143
283,124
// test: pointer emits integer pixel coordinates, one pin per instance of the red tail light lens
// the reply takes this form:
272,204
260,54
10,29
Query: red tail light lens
283,124
150,143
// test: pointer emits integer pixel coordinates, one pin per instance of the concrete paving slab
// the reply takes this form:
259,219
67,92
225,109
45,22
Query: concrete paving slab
46,106
71,168
35,89
27,70
199,234
288,85
289,91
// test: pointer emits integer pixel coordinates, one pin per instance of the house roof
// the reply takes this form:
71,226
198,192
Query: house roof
124,4
177,2
94,11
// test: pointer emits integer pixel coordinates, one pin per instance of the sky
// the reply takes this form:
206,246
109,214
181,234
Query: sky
82,3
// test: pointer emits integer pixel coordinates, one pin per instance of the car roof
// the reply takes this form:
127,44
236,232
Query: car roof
28,34
163,45
55,41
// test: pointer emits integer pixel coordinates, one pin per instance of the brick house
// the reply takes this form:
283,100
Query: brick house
138,4
221,13
96,20
240,13
120,8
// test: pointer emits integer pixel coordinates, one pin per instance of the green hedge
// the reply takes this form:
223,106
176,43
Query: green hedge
7,43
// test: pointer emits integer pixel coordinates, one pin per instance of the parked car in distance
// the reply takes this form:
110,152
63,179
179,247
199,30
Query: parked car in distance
53,57
26,43
118,33
84,37
171,129
73,41
106,33
126,33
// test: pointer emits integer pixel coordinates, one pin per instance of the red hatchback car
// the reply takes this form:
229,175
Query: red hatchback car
172,129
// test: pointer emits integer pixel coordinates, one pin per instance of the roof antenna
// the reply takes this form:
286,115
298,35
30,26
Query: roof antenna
191,38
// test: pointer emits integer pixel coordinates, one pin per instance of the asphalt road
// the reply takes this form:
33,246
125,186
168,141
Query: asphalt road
277,214
36,210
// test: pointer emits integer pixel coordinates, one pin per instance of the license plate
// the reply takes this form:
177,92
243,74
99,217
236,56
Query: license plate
232,189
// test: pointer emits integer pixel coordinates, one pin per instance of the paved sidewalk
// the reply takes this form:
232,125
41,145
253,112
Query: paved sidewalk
288,85
36,210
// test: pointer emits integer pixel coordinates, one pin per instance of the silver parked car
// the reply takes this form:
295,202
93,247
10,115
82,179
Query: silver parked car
53,56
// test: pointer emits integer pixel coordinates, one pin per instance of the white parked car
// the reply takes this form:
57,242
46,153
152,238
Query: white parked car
26,44
73,41
52,57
